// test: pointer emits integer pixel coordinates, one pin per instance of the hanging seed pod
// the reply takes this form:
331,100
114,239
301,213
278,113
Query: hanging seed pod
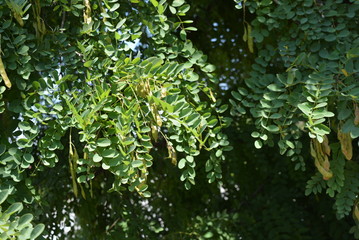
356,212
143,89
87,12
3,73
325,145
327,174
356,114
346,144
172,154
320,154
154,132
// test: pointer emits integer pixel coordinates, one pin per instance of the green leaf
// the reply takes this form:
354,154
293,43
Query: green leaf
3,194
38,229
255,134
183,34
120,23
164,105
352,53
185,112
28,158
208,235
275,88
272,128
82,179
25,220
305,108
190,159
103,142
88,63
177,3
24,126
137,163
2,149
109,153
15,207
97,158
23,50
154,3
212,123
109,50
182,163
321,129
258,144
145,129
146,194
115,7
209,68
236,95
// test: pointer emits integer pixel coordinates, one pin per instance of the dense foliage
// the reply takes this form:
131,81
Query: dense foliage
75,85
314,49
109,110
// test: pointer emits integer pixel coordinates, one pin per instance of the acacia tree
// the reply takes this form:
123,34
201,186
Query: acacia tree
303,82
96,88
100,100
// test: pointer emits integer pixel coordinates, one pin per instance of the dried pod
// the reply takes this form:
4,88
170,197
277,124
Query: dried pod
321,160
346,144
154,132
327,174
87,12
3,73
172,154
325,145
356,212
156,115
356,113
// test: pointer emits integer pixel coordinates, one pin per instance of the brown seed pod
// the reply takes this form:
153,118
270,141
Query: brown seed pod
321,160
3,73
356,212
356,113
325,145
346,144
172,153
326,173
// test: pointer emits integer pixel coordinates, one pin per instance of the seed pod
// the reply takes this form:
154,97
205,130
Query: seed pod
312,150
172,154
325,145
156,115
87,12
73,158
154,132
245,35
344,72
3,73
163,92
143,89
327,174
356,113
346,144
250,38
356,212
321,160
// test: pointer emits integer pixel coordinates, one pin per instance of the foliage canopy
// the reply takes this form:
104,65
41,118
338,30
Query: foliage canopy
100,100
